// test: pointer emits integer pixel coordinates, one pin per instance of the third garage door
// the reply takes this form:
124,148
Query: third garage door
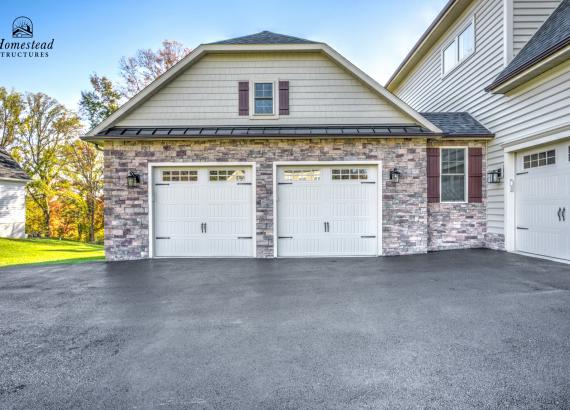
327,210
543,201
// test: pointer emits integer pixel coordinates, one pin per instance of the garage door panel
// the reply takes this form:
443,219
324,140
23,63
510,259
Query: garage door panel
332,215
542,192
205,216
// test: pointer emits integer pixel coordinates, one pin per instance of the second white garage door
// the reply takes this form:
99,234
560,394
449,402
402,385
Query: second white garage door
203,211
327,210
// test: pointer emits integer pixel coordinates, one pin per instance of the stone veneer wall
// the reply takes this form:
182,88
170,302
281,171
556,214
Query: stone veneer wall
404,204
495,241
458,226
409,224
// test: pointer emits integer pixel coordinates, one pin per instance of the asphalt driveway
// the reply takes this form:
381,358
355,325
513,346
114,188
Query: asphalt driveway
454,329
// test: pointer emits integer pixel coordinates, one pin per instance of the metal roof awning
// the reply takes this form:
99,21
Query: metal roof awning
257,132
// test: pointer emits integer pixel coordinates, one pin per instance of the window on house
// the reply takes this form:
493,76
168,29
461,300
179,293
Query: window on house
466,43
349,173
227,175
539,159
449,57
460,48
177,175
301,175
263,96
452,175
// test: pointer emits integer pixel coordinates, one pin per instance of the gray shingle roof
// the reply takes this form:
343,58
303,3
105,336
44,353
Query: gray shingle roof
9,168
265,37
457,124
553,35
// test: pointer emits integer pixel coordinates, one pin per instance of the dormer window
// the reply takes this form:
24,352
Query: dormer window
459,49
263,96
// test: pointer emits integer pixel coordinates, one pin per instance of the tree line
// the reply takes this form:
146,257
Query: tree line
64,198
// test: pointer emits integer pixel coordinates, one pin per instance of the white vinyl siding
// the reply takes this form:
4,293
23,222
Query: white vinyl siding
537,107
528,16
12,209
320,92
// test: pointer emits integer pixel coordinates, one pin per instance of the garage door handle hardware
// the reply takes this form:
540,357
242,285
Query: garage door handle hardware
244,237
284,183
522,173
205,227
367,182
559,214
162,237
244,183
368,236
564,214
161,184
522,228
284,237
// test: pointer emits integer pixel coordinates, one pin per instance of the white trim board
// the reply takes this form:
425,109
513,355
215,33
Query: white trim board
379,184
150,189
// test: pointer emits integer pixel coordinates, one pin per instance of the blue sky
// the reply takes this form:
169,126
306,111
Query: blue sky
91,36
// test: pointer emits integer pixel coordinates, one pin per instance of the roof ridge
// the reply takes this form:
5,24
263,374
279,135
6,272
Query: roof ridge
265,37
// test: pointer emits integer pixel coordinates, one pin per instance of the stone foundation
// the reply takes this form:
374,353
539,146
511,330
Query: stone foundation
495,241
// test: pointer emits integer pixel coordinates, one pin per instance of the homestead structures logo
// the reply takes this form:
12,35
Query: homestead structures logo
23,28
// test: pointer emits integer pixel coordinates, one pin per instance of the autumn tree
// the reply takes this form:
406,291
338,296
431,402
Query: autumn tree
100,102
11,106
47,127
141,69
84,172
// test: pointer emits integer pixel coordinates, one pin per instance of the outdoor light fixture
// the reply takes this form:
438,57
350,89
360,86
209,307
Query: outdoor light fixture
133,179
494,176
395,175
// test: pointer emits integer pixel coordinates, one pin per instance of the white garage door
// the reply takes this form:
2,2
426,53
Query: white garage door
203,211
543,201
327,210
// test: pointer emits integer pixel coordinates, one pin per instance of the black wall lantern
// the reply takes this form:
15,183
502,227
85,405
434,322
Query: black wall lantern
133,179
395,175
494,176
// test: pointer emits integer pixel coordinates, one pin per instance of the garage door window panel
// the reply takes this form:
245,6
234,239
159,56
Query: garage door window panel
179,176
539,159
308,175
453,181
229,175
340,174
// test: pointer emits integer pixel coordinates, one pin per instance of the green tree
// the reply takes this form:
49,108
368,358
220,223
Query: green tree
100,102
141,69
11,106
47,127
84,172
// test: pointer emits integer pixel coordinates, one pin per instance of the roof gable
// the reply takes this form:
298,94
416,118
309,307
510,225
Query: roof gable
197,54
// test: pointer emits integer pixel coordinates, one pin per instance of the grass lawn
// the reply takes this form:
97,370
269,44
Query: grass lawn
47,251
